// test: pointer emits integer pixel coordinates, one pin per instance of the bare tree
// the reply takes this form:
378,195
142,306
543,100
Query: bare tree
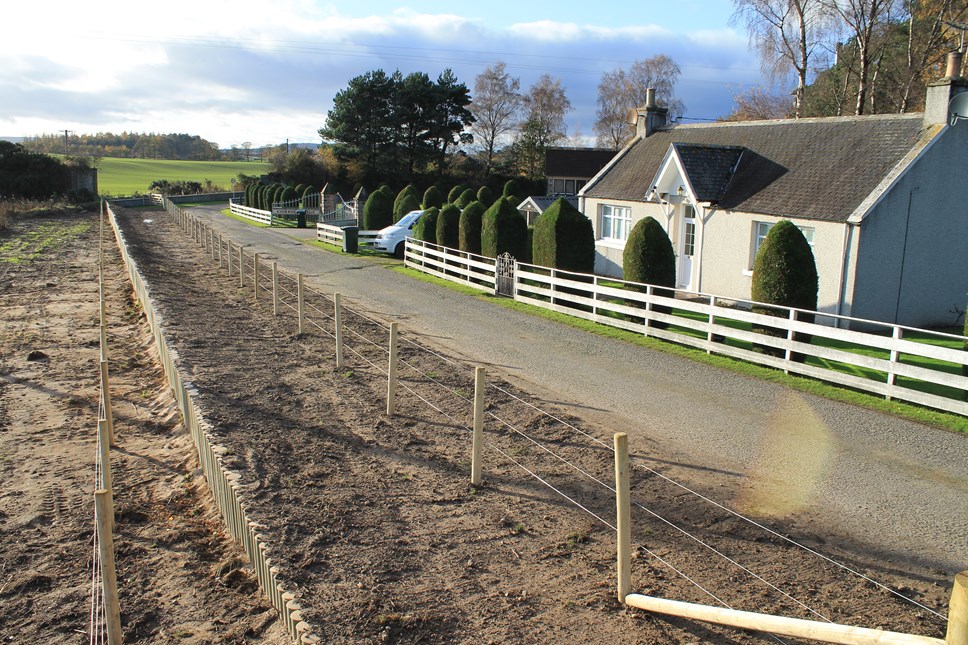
867,21
930,35
621,90
495,106
545,106
247,149
758,103
786,34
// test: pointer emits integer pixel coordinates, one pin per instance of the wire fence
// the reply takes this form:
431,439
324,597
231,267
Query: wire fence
363,337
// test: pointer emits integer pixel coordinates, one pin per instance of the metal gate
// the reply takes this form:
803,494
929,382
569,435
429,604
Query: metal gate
504,275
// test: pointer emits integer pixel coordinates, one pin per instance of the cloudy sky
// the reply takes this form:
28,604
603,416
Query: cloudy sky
263,72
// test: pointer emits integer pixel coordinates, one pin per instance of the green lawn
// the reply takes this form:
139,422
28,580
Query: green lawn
128,176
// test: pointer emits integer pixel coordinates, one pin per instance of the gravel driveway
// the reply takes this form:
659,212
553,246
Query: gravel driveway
867,481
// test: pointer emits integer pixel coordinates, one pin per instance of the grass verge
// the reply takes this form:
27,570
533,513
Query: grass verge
916,413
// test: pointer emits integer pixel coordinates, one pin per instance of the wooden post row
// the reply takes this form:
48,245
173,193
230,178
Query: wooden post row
109,583
478,438
104,452
338,320
106,396
392,372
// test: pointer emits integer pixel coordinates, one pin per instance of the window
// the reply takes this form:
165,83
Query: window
689,243
760,229
616,222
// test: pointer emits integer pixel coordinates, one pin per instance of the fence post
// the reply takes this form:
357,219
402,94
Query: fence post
228,255
109,581
392,372
338,319
895,355
300,311
255,276
788,354
106,398
104,452
624,516
241,268
958,612
712,321
212,236
478,439
275,288
648,309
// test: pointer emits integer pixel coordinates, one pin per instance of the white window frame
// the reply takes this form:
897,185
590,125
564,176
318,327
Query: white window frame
615,215
760,231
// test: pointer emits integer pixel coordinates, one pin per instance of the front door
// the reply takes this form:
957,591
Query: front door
687,247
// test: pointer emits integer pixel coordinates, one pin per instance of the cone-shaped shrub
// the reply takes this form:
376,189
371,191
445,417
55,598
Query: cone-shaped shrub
432,197
504,230
471,219
378,211
648,255
277,194
287,195
454,193
563,239
426,227
448,226
398,206
485,196
299,189
785,274
404,206
510,188
465,198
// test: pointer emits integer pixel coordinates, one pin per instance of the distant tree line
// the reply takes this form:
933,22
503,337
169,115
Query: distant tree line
127,145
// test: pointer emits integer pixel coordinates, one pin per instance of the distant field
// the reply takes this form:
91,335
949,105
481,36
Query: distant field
126,176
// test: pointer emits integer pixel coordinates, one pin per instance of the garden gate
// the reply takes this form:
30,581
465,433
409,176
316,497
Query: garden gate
504,275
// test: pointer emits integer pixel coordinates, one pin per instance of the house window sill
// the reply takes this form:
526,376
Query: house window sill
748,274
610,243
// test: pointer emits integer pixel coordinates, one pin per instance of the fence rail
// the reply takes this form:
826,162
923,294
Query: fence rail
890,364
264,217
334,234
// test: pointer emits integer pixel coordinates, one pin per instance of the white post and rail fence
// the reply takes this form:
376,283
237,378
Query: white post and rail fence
889,364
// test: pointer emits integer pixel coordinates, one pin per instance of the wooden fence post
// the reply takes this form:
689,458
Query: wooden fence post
228,255
219,251
255,276
392,372
478,440
106,397
300,311
623,515
338,319
212,236
958,612
241,267
109,580
106,484
275,288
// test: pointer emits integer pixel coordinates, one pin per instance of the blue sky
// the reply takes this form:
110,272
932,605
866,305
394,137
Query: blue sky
247,70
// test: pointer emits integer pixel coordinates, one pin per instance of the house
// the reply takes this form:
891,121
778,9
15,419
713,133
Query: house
882,200
569,169
534,206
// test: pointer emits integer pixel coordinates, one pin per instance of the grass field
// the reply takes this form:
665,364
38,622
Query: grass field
128,176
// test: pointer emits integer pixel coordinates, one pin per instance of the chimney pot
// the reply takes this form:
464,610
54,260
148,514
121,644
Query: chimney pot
954,65
650,97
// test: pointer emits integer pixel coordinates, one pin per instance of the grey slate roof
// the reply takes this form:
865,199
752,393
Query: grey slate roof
582,163
543,202
809,168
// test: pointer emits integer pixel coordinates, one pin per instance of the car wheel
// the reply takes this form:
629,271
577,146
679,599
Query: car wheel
399,250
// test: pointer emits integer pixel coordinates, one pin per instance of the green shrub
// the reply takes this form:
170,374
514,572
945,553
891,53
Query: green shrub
426,227
649,258
399,209
287,195
465,198
432,197
299,189
471,220
563,239
504,230
454,193
378,211
784,274
262,197
277,194
448,226
485,196
510,188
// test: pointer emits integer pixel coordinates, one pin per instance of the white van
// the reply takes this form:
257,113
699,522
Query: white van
391,239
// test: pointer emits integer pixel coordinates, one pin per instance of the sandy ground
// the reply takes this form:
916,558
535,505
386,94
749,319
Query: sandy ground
180,579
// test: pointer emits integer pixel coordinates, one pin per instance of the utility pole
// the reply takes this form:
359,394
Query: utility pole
67,143
287,146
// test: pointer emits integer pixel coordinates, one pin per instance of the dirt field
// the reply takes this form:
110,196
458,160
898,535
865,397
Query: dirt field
372,518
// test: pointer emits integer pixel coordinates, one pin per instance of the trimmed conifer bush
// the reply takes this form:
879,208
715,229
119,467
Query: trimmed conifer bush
299,189
378,211
784,274
287,195
563,239
485,196
510,188
410,194
465,198
650,259
426,227
277,195
432,197
262,197
448,226
454,193
504,230
471,220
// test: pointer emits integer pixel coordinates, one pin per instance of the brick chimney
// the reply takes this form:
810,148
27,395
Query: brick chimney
650,117
941,92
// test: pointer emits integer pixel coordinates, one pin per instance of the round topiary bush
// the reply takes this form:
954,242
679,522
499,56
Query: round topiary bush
649,258
426,227
471,220
784,274
465,198
454,193
378,211
448,226
563,239
485,196
287,195
412,198
510,188
432,197
504,230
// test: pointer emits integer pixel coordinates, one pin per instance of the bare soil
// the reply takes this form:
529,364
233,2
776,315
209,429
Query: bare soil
371,518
